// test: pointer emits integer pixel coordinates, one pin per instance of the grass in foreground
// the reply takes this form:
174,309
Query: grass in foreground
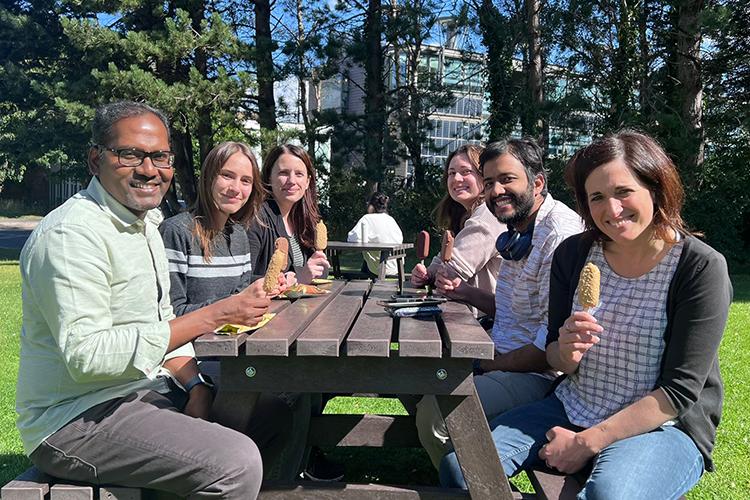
412,466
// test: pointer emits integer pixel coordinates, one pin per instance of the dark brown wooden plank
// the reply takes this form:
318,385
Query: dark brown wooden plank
348,374
277,336
419,338
549,485
119,493
372,332
475,450
324,335
464,337
71,492
33,484
364,430
211,344
309,490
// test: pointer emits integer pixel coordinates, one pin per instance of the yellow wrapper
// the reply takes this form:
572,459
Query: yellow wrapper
232,329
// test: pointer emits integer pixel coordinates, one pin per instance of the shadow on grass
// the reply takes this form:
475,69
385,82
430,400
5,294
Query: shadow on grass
9,254
11,465
741,285
407,466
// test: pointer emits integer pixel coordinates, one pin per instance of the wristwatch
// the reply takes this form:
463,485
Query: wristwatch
200,379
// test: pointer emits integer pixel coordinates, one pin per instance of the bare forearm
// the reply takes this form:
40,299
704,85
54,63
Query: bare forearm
643,416
524,359
481,299
192,325
183,368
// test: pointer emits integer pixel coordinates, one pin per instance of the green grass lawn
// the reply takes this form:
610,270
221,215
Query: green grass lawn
411,466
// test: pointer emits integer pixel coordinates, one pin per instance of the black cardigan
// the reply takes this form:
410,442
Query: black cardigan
262,234
697,308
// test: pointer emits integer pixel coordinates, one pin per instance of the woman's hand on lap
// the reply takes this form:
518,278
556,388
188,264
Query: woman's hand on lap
566,450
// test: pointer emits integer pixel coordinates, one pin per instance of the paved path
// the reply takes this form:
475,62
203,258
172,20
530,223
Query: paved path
14,232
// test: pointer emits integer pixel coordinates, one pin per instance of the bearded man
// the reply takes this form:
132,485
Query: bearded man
515,190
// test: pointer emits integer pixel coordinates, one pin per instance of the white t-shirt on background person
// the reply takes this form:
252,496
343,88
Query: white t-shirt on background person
376,228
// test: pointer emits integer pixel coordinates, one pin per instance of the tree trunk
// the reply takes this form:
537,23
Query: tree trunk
410,126
497,37
533,124
644,59
690,80
622,85
309,127
182,144
204,127
264,67
374,93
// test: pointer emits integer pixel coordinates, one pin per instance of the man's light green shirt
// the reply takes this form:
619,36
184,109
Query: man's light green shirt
96,307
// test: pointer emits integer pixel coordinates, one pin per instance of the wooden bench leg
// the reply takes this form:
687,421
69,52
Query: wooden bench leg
477,456
551,486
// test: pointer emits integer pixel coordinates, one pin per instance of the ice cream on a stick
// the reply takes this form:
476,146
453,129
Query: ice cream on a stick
589,285
276,265
447,249
321,236
423,246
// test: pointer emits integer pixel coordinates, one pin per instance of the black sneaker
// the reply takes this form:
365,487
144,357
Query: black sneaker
319,468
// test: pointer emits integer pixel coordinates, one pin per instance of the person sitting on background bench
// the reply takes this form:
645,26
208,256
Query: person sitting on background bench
376,226
98,328
643,394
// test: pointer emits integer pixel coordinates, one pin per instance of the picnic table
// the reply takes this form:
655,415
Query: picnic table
345,342
388,251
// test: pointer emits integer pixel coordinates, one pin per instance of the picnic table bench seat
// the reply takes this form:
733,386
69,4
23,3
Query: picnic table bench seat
34,484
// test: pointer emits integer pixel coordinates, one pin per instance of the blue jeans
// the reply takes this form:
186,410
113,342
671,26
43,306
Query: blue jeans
663,463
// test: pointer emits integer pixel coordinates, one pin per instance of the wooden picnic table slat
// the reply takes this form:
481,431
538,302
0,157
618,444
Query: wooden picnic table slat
371,335
348,375
464,336
211,344
308,490
324,335
277,336
419,338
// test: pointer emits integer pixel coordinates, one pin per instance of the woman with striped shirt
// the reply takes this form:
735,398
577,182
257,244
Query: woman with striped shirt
210,259
207,247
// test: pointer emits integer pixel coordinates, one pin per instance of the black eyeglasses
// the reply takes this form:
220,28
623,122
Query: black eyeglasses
131,157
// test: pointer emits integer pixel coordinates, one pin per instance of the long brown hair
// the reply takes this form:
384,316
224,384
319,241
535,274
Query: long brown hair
304,215
650,164
449,213
204,211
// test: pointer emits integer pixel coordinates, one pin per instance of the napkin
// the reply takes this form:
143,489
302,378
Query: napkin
233,329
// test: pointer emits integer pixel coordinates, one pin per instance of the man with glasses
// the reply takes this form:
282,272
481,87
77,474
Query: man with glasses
93,401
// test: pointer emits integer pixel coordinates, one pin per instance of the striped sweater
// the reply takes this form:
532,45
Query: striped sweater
195,283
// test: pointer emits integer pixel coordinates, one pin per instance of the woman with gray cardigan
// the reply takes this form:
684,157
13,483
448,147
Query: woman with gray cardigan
642,393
